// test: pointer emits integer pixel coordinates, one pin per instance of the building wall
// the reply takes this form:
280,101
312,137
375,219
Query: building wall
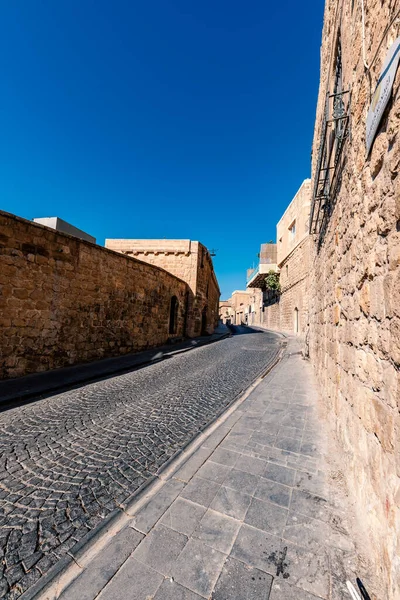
189,261
207,294
226,311
297,212
240,301
355,287
61,225
287,311
254,306
271,316
65,301
294,280
268,253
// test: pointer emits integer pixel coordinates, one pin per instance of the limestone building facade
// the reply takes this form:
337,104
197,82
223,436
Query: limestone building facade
235,311
260,299
355,266
288,309
188,260
226,313
293,258
240,301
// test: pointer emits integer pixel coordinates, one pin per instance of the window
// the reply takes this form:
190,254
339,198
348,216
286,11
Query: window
292,231
173,315
331,159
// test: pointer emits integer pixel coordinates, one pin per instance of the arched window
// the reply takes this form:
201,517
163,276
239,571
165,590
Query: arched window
173,315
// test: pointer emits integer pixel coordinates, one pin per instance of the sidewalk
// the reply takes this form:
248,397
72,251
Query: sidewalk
22,388
251,515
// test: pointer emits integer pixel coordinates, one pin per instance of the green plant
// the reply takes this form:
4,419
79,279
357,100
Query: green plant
272,281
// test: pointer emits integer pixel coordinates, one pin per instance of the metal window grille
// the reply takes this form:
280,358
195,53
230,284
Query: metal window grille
330,160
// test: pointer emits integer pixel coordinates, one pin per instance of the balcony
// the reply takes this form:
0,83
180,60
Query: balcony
256,279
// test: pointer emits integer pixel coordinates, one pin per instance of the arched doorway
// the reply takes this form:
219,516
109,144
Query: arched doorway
296,320
173,315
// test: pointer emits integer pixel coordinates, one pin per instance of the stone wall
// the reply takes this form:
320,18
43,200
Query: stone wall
297,214
225,311
189,261
205,306
240,301
294,279
270,316
65,301
355,285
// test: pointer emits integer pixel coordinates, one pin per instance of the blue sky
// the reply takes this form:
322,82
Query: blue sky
173,119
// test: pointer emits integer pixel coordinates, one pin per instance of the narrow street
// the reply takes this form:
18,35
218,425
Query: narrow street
68,460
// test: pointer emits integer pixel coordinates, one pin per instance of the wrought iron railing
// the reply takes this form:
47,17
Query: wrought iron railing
330,163
253,274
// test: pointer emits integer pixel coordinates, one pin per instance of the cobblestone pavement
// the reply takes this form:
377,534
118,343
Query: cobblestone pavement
69,460
254,513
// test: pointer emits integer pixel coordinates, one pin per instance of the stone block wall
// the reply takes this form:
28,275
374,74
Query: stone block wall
270,316
279,312
294,279
205,307
297,214
189,261
65,301
355,285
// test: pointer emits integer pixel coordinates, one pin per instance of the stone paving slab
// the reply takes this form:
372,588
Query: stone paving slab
72,460
254,521
104,566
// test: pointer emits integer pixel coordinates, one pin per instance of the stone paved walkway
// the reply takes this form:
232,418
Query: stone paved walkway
68,461
252,514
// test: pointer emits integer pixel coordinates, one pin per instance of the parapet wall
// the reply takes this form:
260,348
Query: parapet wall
65,301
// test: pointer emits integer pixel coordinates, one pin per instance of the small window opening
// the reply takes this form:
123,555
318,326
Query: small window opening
292,231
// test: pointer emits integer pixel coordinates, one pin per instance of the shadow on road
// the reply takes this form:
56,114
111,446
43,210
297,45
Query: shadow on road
243,329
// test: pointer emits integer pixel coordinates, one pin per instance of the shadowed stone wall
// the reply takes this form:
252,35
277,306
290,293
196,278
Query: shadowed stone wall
65,301
355,284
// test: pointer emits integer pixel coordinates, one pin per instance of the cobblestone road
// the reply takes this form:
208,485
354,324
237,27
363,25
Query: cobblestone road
69,460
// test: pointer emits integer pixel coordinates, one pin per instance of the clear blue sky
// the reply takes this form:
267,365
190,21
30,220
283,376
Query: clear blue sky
174,118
